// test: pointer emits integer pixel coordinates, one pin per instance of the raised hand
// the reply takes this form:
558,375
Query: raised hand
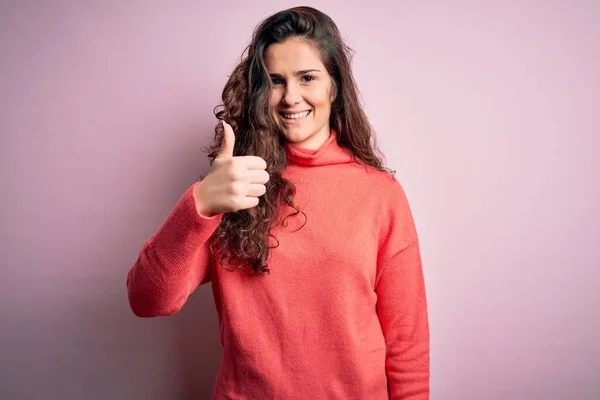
233,183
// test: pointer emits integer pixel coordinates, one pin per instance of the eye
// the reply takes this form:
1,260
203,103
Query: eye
276,81
308,78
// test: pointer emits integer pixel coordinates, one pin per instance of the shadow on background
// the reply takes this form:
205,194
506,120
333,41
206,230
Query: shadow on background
197,344
188,341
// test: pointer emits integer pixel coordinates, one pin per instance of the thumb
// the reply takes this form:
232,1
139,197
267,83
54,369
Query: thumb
228,141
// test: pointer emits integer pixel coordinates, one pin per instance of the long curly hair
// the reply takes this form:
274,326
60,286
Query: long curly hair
242,237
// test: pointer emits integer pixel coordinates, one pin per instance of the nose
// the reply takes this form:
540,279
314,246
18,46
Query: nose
292,94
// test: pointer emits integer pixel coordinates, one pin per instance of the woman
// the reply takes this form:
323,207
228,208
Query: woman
307,240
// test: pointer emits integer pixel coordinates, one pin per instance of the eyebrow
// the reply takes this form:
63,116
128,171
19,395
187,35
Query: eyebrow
301,72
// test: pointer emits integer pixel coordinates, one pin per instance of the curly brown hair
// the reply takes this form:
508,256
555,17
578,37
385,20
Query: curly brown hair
243,236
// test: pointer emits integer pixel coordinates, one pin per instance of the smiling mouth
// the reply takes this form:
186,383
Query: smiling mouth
295,116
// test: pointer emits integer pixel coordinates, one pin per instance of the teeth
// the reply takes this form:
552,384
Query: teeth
297,115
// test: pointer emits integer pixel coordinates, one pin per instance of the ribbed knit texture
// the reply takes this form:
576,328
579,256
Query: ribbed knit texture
343,313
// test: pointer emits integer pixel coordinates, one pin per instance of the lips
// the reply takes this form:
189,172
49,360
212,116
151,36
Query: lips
292,116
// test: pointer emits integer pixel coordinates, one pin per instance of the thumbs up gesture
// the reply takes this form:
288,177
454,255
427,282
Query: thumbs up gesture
233,183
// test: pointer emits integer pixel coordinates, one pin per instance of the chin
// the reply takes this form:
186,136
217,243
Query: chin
295,136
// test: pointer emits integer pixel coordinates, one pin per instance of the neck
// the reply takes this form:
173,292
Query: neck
315,142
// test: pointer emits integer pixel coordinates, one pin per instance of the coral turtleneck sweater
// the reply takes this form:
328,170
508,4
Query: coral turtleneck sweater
343,313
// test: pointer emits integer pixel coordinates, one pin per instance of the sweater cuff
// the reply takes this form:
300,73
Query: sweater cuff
183,233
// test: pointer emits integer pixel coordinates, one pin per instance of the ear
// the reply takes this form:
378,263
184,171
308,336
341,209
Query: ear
334,91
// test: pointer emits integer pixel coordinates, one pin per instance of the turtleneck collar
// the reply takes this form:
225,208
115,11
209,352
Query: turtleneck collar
329,153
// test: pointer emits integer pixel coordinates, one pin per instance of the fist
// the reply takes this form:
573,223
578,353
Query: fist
233,183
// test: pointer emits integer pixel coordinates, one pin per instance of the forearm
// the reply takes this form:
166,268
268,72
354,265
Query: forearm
402,309
173,262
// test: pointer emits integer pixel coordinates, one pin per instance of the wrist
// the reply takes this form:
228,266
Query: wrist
201,207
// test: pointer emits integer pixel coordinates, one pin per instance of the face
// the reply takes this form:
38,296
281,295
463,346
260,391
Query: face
301,93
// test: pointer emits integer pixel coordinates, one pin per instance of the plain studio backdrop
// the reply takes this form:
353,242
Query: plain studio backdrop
487,110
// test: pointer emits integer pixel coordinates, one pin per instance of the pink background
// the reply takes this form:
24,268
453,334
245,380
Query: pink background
489,111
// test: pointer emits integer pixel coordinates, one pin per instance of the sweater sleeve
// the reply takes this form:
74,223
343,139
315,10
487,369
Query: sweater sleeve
173,262
401,302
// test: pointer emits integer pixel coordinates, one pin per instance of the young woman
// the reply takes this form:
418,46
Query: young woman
308,241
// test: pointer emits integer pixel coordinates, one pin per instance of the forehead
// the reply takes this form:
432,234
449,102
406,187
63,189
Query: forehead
292,55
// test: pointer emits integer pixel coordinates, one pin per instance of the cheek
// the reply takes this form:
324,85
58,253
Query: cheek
318,97
274,97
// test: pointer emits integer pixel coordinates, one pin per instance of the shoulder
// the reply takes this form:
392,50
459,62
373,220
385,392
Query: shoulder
394,210
385,185
380,189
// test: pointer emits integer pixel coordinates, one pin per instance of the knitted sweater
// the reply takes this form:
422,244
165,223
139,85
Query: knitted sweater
342,314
